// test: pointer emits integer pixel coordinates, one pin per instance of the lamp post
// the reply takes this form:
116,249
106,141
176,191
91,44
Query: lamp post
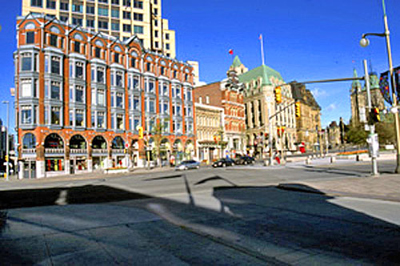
7,140
364,42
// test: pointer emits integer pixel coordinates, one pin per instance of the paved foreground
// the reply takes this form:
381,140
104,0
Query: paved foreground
345,221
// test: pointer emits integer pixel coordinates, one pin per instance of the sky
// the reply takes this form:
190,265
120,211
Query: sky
304,40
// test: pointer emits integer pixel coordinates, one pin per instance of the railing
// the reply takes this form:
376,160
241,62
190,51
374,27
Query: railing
53,151
115,151
97,151
28,151
76,151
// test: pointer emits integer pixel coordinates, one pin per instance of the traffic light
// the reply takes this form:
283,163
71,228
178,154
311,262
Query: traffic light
140,129
278,94
297,109
375,117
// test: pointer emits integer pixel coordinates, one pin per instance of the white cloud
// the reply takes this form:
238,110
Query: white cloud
331,107
318,93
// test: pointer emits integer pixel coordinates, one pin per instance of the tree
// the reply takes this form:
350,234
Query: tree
356,135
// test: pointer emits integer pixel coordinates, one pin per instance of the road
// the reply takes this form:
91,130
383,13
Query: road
230,216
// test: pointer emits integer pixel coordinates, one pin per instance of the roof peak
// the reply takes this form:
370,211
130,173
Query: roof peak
236,62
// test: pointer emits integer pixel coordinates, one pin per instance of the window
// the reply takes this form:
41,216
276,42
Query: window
115,2
77,21
90,10
167,46
101,98
115,13
97,52
167,36
148,66
26,88
79,94
100,75
120,121
103,24
127,28
64,6
138,4
64,18
26,62
90,23
79,70
116,57
77,47
149,86
51,4
55,90
126,15
208,100
135,82
165,90
53,40
138,16
55,65
119,79
136,103
55,116
37,3
103,11
30,37
120,100
79,118
133,62
101,122
115,26
103,1
77,8
150,105
26,114
138,29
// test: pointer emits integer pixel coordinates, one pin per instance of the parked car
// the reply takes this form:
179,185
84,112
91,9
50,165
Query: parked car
189,164
223,162
245,160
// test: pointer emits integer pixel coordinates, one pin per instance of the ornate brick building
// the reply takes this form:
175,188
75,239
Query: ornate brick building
227,94
82,98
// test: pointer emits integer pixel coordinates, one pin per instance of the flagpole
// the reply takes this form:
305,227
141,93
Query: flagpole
262,49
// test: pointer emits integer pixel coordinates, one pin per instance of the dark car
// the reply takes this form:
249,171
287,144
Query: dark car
189,164
245,160
223,162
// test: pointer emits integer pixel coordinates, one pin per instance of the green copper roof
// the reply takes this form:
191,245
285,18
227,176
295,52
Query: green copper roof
236,62
356,83
262,71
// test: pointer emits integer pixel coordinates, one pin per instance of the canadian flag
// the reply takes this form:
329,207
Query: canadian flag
230,51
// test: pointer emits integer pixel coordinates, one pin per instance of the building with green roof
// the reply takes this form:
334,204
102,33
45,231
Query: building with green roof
259,99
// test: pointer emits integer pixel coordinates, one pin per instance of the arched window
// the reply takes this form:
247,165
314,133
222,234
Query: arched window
29,141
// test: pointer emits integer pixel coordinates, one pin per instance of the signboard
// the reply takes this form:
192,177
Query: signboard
126,145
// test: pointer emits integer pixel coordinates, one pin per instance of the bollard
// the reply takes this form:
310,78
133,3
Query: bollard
333,159
308,160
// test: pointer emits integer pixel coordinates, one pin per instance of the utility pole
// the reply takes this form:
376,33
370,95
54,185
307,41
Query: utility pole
7,141
372,138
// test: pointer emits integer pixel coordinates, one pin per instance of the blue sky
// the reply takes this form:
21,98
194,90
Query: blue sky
303,40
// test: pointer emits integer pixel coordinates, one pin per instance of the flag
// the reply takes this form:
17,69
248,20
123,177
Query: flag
384,86
230,51
396,74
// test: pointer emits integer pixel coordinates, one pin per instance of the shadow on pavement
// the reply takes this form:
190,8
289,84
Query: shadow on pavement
61,196
266,223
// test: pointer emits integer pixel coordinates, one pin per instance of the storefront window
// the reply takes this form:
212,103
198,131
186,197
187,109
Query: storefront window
53,164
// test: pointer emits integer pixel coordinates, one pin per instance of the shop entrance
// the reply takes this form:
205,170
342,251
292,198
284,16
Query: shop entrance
29,169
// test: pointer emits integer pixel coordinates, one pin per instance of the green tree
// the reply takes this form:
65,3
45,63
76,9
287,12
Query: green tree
356,135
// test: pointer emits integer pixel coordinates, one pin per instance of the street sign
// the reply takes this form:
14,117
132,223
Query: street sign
126,145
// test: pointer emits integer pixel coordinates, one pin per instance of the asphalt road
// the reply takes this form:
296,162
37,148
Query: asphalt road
230,216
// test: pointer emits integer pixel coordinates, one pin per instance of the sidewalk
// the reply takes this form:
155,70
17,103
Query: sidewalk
383,187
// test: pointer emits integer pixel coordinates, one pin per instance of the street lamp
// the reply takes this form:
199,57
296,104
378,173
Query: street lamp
365,42
7,140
